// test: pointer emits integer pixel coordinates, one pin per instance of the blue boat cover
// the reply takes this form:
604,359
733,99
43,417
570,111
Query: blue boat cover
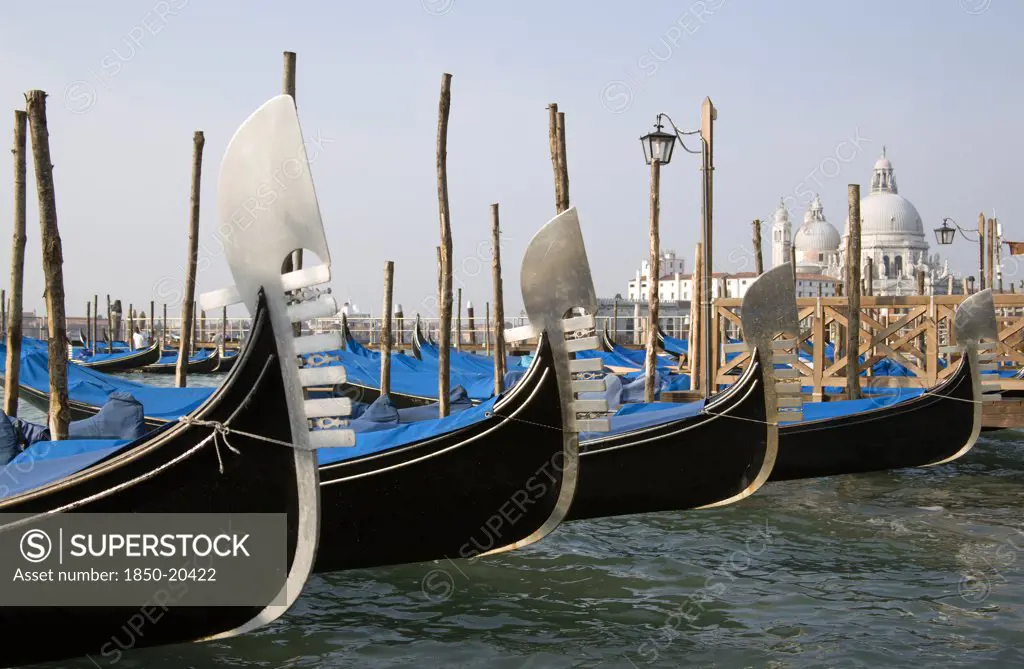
409,376
47,461
94,388
837,408
470,362
676,347
374,439
638,416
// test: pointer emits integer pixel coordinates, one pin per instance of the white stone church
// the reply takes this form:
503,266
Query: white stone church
892,235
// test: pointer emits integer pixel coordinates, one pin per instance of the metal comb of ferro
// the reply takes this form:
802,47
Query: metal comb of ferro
324,416
580,333
789,401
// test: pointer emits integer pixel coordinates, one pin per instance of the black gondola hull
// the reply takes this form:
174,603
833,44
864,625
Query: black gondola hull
929,429
168,472
461,494
685,464
126,363
206,365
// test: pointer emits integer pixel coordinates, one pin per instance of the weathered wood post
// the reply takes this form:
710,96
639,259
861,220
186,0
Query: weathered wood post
651,356
563,164
981,250
990,259
131,327
472,322
615,319
110,325
708,115
487,328
997,261
869,283
12,366
188,301
758,258
152,321
288,88
444,337
792,263
920,281
853,288
556,170
400,325
499,303
53,261
223,330
385,331
695,335
94,336
458,322
163,327
949,285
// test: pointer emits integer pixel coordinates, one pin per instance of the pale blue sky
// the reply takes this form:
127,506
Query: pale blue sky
937,81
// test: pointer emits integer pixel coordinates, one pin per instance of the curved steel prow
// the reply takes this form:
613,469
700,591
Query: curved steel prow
267,208
561,304
769,310
975,320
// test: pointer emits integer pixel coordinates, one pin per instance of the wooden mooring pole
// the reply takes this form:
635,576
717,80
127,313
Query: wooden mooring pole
556,170
981,250
288,88
188,303
758,258
458,321
131,327
53,266
470,316
853,288
990,258
13,362
94,335
444,337
563,163
651,356
694,335
385,331
110,326
499,302
487,328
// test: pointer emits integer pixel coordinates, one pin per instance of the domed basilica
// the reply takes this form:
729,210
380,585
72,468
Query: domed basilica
892,235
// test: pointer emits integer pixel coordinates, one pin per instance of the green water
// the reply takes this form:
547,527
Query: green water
917,568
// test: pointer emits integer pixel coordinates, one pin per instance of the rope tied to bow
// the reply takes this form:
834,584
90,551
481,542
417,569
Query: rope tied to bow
220,435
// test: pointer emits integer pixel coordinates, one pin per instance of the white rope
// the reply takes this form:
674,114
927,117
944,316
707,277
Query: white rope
220,433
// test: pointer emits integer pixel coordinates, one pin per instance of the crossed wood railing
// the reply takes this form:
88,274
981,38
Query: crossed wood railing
913,331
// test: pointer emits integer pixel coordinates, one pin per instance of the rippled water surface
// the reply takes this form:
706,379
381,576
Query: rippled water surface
918,568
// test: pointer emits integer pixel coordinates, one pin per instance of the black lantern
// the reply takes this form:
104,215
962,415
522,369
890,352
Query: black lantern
970,282
658,145
946,233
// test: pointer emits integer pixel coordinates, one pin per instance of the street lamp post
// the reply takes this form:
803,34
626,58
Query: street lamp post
657,145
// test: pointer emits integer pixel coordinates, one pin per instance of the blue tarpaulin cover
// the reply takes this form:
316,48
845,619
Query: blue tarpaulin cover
93,388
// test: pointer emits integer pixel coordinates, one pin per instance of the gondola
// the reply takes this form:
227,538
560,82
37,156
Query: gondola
226,361
122,362
935,427
182,468
506,478
714,453
168,364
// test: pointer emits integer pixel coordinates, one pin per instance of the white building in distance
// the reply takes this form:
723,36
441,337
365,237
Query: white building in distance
892,236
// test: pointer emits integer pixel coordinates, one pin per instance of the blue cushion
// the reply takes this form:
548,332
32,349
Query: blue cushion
10,444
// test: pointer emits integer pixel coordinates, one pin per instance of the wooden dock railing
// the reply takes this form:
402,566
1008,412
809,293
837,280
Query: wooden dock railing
913,331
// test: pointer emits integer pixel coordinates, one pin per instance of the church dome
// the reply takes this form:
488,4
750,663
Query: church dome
884,211
889,213
816,234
